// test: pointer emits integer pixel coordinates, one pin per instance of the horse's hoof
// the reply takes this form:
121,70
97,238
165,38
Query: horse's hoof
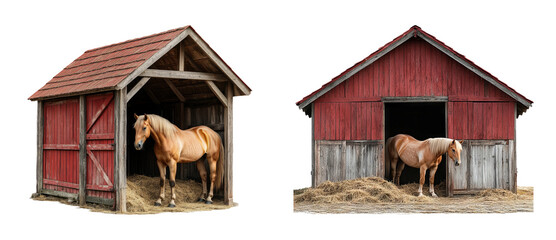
201,200
157,204
434,195
171,205
208,202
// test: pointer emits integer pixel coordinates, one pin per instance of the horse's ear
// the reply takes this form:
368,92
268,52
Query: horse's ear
454,141
135,115
461,142
146,118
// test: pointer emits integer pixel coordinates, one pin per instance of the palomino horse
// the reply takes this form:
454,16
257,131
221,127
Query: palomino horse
420,154
173,146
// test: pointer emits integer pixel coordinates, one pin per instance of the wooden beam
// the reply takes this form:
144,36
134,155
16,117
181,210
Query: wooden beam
82,150
219,62
136,89
152,96
120,121
229,146
171,74
181,56
40,142
218,93
175,90
414,99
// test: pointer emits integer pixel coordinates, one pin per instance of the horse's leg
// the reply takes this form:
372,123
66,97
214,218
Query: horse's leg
162,170
393,163
173,167
432,171
399,170
203,174
212,165
423,171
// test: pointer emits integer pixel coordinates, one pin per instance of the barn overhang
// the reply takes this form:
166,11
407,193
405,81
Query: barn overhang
114,67
305,104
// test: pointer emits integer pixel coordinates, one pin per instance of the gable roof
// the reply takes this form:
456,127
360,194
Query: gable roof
415,31
114,66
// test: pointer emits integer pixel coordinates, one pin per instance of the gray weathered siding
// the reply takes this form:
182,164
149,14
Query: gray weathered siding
485,164
344,160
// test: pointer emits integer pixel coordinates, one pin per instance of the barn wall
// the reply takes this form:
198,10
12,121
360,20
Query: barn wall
481,120
348,120
484,164
61,146
353,111
344,160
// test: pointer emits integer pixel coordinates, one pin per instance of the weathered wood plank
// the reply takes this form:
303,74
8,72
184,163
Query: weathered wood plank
136,88
120,140
228,145
189,75
82,150
175,90
40,142
218,93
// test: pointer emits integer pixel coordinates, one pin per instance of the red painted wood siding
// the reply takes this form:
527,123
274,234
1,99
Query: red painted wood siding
61,145
348,121
415,68
100,148
481,120
353,111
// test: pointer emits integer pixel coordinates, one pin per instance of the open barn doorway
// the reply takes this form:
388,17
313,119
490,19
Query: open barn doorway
421,120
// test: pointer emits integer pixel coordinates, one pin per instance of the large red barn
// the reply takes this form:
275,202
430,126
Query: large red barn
417,85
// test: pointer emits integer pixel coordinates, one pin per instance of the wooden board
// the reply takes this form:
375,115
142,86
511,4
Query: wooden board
344,160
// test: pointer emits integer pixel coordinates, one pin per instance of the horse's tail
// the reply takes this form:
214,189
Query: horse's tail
220,167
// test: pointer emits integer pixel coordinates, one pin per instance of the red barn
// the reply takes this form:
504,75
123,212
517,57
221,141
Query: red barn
417,85
84,139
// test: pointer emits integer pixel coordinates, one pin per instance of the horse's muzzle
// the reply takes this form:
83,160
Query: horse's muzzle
139,145
457,163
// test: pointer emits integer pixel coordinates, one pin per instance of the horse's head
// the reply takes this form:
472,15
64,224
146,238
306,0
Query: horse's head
455,151
142,130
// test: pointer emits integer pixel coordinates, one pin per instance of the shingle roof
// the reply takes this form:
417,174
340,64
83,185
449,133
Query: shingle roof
104,67
414,31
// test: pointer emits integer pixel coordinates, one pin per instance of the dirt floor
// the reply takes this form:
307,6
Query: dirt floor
375,195
142,192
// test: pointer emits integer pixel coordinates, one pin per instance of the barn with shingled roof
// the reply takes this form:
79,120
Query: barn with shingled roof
85,113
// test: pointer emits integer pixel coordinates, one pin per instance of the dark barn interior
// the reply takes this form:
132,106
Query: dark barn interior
421,120
185,103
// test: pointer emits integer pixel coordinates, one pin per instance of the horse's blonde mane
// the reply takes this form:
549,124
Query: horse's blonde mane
440,145
160,125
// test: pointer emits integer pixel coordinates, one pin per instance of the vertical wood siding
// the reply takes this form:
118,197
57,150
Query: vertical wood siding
484,164
100,145
481,120
61,146
348,121
344,160
353,111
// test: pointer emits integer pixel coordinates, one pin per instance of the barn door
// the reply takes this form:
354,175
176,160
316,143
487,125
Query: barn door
100,148
60,166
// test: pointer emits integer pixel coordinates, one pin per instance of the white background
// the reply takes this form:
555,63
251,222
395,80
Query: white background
283,50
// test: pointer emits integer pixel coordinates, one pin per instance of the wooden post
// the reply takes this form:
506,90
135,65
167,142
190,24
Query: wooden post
228,146
313,159
82,150
120,115
40,143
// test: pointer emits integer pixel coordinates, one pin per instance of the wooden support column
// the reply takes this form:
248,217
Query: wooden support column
40,144
229,145
120,117
82,150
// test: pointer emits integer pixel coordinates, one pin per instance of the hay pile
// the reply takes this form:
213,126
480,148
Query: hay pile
523,193
142,192
362,190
